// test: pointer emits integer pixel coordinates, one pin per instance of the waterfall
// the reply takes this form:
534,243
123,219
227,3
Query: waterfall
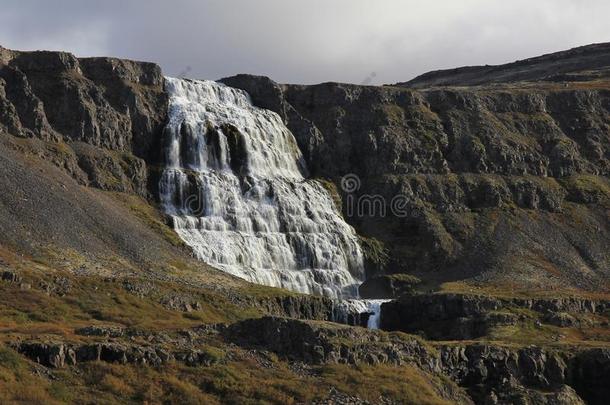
234,184
374,307
353,312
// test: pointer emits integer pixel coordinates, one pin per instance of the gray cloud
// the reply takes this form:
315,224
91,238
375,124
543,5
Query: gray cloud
307,41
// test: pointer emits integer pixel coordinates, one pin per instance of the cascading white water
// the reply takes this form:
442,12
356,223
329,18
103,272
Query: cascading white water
374,308
234,185
356,308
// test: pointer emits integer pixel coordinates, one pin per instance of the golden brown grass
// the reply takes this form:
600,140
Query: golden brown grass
19,386
405,384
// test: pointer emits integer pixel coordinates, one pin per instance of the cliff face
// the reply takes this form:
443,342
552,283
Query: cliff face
504,184
108,112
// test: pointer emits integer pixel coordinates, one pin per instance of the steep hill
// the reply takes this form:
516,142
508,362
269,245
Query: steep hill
584,63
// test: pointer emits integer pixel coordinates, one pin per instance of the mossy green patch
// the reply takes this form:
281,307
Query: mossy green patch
374,250
333,191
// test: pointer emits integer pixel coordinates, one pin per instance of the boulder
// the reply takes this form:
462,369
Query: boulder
10,276
388,286
56,355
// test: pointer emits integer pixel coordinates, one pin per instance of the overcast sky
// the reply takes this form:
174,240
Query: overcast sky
306,41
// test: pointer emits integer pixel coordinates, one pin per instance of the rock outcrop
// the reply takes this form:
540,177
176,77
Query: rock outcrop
388,286
491,374
327,343
464,316
107,113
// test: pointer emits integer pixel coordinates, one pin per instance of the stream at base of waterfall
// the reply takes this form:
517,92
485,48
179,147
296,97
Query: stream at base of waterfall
235,185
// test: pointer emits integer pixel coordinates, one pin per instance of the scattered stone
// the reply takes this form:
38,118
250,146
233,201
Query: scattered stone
11,277
181,303
97,330
138,288
56,355
336,397
60,286
561,319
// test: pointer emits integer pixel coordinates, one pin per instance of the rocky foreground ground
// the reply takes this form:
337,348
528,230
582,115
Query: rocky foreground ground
500,271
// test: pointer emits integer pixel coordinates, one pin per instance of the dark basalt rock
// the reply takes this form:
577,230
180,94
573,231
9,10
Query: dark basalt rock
110,111
561,319
501,375
56,355
463,316
319,342
265,93
238,150
59,355
589,374
445,316
10,276
387,286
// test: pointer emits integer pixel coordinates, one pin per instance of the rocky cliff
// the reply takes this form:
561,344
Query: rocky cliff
116,106
449,316
501,184
490,373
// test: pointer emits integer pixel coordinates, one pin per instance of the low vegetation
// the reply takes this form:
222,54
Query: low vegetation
374,251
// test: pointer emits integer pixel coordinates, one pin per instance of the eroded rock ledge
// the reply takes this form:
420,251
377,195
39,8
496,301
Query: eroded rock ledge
490,373
447,316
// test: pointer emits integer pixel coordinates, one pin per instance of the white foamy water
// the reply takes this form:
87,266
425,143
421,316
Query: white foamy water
356,308
374,307
234,184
